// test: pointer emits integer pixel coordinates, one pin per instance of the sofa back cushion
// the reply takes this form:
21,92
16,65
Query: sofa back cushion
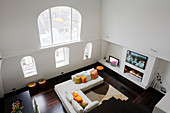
88,76
91,106
69,96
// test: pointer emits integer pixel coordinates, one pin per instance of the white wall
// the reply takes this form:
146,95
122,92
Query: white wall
1,84
20,37
19,22
139,24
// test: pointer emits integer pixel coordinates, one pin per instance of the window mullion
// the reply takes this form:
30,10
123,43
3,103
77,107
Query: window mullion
71,25
51,32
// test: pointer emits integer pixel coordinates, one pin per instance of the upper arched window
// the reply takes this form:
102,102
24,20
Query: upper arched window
87,51
28,66
58,25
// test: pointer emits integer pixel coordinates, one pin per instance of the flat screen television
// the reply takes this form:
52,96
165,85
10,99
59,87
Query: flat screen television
113,61
136,59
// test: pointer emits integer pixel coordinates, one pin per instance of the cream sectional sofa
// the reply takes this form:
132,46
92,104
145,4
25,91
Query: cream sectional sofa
70,86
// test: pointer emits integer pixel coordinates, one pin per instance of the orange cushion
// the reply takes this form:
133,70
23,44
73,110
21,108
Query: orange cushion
83,79
77,97
94,74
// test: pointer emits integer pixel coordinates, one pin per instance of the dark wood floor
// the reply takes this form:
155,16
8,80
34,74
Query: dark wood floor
139,99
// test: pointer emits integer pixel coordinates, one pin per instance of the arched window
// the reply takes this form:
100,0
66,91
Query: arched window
28,66
58,25
62,57
88,51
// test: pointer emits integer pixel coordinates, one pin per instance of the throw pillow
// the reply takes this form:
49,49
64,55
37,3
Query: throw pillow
77,97
83,104
77,107
94,74
77,80
69,96
90,70
88,76
91,106
83,79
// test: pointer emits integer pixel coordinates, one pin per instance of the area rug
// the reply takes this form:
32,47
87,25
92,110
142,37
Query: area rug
104,92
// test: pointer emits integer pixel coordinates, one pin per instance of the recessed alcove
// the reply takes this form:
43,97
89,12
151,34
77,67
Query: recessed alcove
120,52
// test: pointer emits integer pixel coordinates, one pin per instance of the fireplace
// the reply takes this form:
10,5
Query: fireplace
137,74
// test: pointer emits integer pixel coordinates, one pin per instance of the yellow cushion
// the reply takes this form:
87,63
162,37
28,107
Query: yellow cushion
77,80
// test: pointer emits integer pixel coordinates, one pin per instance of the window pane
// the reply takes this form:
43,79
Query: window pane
28,66
44,28
88,51
60,55
61,22
76,22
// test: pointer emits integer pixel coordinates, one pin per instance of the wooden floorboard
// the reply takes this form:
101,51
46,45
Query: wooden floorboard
139,98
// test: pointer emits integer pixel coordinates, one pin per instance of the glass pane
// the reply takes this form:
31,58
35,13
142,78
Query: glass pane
28,66
60,55
61,22
76,25
44,28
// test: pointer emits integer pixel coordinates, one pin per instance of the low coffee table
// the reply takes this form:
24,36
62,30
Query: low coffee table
26,102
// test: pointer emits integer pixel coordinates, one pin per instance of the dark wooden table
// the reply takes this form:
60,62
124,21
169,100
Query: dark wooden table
26,102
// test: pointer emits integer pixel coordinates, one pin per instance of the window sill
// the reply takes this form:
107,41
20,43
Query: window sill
60,44
61,64
31,74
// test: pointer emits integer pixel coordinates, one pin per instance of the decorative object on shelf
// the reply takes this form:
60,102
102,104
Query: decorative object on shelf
156,83
16,107
136,59
113,61
86,55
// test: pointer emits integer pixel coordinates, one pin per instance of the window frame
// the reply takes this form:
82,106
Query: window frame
66,55
70,27
90,48
26,75
63,52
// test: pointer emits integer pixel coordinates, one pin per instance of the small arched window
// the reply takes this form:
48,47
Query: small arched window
87,51
28,66
58,25
62,57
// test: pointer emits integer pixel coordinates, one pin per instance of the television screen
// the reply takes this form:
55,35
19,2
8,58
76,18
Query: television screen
114,61
136,59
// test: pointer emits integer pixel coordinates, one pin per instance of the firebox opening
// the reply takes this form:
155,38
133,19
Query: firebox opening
133,72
